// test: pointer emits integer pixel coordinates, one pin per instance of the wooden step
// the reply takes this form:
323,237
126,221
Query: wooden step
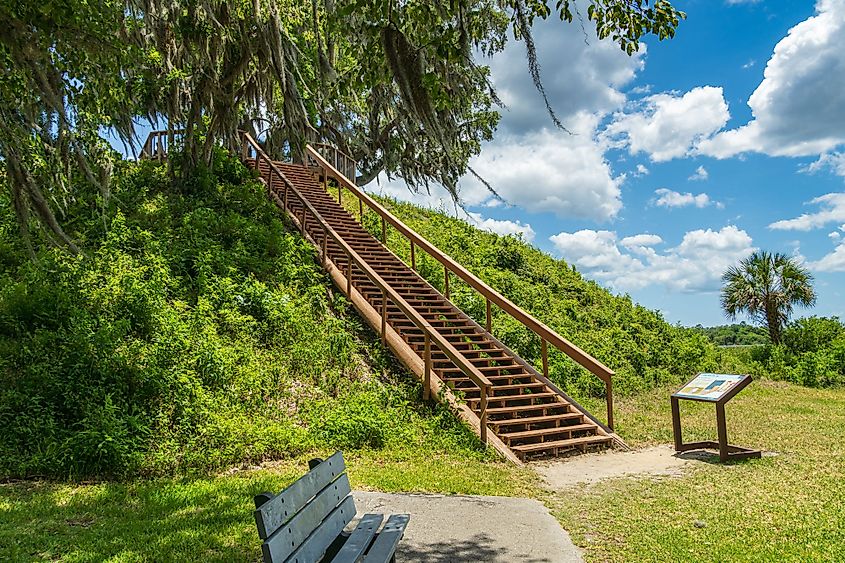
526,408
547,431
560,444
535,419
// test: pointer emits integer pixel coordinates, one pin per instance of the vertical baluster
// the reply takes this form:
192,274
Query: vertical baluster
325,248
340,192
608,386
446,281
545,352
413,256
489,324
383,316
383,231
360,211
483,417
349,275
427,360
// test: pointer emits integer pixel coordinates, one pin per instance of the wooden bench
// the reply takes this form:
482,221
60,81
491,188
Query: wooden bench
305,522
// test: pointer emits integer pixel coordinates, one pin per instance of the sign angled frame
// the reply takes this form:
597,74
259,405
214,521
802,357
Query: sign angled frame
711,388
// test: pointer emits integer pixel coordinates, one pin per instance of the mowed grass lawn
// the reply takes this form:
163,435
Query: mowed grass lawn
789,507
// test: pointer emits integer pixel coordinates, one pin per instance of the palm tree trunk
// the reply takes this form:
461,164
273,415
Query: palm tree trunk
773,323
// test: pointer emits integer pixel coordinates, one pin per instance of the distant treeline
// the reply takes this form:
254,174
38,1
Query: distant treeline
740,334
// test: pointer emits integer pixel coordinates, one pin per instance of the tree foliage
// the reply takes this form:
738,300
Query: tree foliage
396,84
766,286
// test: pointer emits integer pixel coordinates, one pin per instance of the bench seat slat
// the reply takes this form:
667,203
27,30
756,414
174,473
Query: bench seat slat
357,543
384,547
282,507
292,534
313,548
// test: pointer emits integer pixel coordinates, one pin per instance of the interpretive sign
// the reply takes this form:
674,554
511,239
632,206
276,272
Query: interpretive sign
718,388
709,386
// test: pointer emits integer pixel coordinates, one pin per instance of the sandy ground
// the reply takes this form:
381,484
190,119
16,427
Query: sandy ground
454,528
592,468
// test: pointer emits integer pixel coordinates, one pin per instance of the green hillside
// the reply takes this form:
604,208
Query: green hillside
643,349
195,332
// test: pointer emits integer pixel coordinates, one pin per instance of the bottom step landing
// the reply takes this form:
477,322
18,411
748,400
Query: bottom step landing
535,438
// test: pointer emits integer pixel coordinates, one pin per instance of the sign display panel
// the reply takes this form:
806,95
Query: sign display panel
709,386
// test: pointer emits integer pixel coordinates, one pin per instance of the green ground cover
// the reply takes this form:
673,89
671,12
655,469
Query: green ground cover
789,507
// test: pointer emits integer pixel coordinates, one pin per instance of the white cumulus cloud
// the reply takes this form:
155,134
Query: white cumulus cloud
670,198
549,171
832,211
833,262
700,175
502,226
799,107
667,126
696,264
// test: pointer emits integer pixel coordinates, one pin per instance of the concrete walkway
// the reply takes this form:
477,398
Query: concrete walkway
474,528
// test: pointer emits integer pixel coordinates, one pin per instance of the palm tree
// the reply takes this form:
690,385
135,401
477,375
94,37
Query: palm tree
766,286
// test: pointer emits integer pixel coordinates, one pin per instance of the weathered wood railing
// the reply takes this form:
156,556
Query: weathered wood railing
491,296
337,158
157,144
252,150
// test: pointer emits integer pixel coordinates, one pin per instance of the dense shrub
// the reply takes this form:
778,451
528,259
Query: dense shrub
644,350
812,354
195,332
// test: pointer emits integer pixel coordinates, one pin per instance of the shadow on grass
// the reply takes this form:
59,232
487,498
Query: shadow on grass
167,520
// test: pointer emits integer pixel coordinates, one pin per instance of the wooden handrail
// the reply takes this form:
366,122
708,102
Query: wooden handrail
430,332
545,333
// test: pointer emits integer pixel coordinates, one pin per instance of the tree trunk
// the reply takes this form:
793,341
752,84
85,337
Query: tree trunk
773,323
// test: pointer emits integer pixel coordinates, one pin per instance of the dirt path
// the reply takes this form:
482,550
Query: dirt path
592,468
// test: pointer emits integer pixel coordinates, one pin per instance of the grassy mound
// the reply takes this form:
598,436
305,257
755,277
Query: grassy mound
196,331
644,350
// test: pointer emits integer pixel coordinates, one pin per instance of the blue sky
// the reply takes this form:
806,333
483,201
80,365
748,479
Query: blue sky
683,159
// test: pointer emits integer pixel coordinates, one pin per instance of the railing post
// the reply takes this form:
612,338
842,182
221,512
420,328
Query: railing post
325,248
483,417
349,275
340,193
360,211
544,348
427,360
244,148
383,316
609,390
489,316
413,256
383,231
445,281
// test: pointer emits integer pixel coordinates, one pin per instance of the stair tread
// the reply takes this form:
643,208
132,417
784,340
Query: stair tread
521,408
535,419
572,442
547,431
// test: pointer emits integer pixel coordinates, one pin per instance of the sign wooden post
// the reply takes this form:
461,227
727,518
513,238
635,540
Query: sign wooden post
711,388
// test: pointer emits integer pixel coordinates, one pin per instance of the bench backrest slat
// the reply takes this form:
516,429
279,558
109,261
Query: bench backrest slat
315,546
284,506
297,531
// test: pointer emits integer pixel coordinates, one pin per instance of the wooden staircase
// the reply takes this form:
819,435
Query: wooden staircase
458,360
